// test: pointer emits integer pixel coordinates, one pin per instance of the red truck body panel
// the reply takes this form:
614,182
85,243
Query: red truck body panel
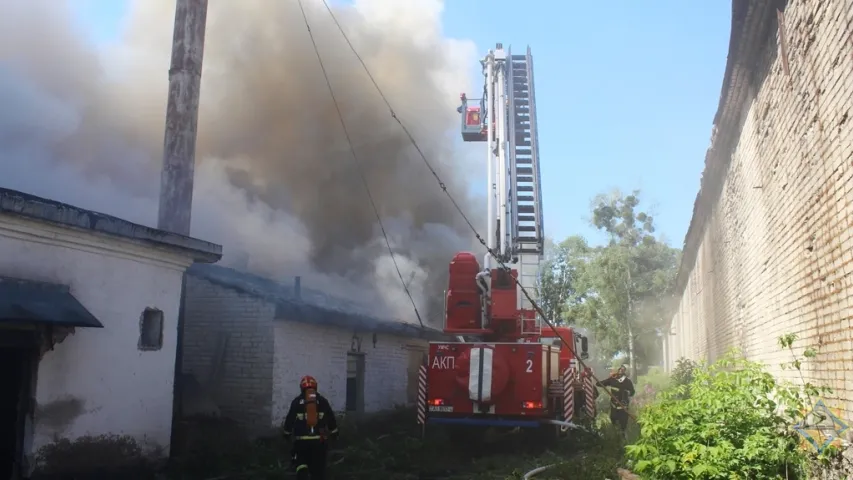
568,335
511,379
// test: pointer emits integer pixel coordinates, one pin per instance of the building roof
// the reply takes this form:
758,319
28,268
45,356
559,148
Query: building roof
13,202
39,302
309,305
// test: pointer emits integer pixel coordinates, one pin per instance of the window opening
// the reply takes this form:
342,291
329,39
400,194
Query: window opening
151,329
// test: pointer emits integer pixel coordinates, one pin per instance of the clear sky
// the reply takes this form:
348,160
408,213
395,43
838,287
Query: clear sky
626,93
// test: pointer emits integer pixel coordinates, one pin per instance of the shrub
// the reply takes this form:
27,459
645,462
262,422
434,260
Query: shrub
721,424
682,374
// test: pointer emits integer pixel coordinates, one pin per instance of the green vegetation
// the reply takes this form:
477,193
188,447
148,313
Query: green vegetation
621,290
727,420
389,446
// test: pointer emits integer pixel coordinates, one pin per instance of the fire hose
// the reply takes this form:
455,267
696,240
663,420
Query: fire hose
538,470
564,426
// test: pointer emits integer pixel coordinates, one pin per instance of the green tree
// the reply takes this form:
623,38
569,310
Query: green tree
628,282
563,266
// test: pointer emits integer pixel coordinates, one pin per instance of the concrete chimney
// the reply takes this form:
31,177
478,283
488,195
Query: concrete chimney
297,287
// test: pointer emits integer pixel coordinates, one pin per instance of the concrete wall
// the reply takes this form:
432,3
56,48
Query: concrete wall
303,349
769,250
97,381
228,347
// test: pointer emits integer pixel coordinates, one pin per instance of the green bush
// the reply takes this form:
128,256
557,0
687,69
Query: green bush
722,424
682,374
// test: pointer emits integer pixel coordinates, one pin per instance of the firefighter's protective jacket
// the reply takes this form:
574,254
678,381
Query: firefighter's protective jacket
296,424
622,389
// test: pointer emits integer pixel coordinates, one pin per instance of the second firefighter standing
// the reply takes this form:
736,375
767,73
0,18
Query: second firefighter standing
622,389
311,423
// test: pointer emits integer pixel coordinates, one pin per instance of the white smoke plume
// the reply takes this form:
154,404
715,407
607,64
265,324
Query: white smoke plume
274,176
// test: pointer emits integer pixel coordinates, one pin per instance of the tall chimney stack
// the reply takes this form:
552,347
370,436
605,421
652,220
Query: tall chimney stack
176,178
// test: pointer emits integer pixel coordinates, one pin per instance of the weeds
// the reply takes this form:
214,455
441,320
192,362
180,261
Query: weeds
389,446
732,419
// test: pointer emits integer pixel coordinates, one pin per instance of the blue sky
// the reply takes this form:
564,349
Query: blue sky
626,93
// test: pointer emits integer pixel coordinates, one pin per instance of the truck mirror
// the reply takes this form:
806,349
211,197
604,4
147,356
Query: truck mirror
584,348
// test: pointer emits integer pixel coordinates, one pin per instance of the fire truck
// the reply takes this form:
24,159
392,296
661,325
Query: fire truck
504,369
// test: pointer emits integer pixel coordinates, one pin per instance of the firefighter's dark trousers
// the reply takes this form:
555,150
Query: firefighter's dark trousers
619,417
309,458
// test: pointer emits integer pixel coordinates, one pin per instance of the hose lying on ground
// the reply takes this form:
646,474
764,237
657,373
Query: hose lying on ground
564,427
537,471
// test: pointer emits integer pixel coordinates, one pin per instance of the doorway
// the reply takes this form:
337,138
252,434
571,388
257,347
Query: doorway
355,383
15,377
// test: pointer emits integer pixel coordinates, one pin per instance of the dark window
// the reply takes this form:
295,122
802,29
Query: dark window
151,329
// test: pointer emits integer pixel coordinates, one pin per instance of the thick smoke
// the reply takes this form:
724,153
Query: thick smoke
275,181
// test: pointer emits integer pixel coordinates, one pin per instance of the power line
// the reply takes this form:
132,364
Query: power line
358,165
443,187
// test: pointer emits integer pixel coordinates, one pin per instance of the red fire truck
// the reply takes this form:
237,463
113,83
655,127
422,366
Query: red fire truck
513,374
504,369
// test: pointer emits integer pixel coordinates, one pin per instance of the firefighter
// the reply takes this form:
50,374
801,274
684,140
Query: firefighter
311,422
622,389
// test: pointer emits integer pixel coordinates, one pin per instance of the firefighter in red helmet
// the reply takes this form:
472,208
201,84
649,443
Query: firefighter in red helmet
311,423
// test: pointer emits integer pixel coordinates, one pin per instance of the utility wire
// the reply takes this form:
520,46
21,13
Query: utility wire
443,187
358,165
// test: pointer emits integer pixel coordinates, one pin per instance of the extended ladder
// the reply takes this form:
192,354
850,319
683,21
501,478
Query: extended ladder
525,178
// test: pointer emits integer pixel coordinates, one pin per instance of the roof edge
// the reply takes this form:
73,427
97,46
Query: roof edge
16,203
747,16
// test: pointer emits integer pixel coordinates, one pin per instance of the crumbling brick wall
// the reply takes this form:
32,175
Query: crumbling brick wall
769,249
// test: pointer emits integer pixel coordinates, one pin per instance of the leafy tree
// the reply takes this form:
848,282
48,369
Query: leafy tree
564,263
627,282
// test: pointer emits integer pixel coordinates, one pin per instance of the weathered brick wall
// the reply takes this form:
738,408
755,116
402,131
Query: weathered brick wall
769,249
242,384
321,351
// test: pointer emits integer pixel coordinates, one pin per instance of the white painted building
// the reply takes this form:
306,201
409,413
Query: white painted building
248,340
88,325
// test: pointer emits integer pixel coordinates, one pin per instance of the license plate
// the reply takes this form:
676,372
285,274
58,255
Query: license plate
440,409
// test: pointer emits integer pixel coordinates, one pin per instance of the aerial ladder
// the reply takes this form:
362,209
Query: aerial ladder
505,118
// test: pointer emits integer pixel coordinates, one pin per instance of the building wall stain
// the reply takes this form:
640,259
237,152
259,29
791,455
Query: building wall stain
59,414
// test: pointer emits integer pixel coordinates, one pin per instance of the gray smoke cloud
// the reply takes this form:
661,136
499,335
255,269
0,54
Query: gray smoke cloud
274,176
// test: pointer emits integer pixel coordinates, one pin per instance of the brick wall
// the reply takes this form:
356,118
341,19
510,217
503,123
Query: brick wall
241,384
320,351
769,249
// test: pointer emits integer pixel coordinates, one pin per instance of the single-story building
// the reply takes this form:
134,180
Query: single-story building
88,326
248,340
